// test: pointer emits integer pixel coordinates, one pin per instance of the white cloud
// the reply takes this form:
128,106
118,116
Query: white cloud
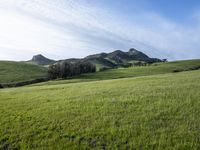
67,28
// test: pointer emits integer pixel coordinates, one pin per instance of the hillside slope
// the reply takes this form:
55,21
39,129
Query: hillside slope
11,71
152,112
157,68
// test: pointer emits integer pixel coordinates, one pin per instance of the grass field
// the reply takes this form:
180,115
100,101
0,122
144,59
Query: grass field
149,112
11,71
19,71
159,68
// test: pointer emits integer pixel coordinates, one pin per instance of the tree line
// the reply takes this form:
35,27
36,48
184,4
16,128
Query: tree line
68,69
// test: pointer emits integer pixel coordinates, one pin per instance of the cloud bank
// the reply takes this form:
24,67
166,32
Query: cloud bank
67,28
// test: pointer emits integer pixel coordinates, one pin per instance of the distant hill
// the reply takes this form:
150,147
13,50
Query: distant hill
117,58
41,60
114,59
11,71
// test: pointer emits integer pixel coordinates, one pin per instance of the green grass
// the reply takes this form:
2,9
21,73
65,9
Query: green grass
158,68
19,71
152,112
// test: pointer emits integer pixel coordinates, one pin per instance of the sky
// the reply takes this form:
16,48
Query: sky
61,29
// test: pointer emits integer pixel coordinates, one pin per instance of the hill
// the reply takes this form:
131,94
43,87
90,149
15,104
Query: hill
11,71
152,112
41,60
119,58
114,59
157,68
137,71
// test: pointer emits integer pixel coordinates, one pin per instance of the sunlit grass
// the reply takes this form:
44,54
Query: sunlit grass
11,71
152,112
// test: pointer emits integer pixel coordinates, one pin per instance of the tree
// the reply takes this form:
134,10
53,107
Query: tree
54,71
66,69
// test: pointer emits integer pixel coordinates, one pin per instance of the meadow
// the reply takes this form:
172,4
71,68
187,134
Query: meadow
136,71
15,72
145,112
12,72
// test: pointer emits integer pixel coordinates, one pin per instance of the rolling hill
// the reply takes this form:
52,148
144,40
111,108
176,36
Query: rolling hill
137,71
151,112
11,72
149,107
157,68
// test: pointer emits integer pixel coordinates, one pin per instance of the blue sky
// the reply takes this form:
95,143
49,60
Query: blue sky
76,28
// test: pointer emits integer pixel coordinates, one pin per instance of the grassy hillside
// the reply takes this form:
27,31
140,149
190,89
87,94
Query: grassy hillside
158,68
152,112
18,71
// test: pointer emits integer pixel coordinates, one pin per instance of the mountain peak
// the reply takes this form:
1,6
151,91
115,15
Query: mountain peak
41,60
38,57
133,50
117,51
137,54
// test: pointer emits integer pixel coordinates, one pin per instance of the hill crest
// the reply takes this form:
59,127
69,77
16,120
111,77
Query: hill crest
41,60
